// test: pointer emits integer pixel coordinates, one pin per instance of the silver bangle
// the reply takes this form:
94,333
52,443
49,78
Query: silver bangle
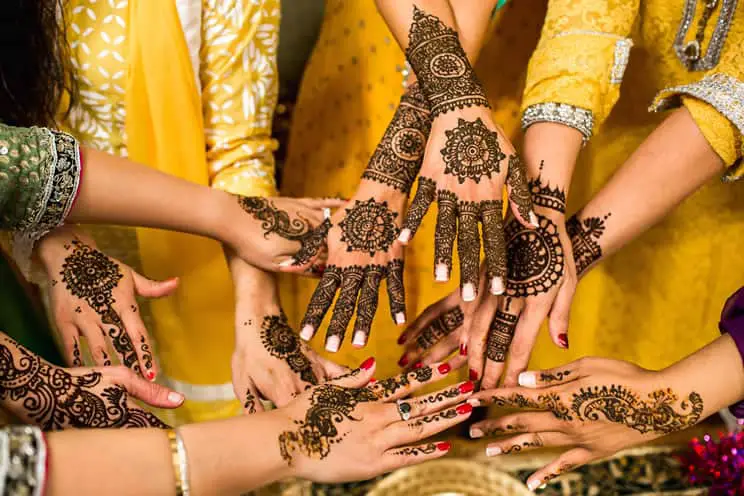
578,118
23,458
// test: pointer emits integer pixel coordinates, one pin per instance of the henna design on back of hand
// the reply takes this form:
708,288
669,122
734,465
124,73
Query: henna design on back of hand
441,65
519,192
54,399
330,405
558,376
550,402
440,328
620,405
91,276
398,156
273,219
471,151
387,387
311,243
369,226
585,235
281,342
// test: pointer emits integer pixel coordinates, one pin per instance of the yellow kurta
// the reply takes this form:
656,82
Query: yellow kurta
349,92
655,301
232,48
659,298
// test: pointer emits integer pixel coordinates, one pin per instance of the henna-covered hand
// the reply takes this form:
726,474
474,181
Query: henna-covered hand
351,427
94,296
285,234
466,164
361,244
51,397
596,405
272,362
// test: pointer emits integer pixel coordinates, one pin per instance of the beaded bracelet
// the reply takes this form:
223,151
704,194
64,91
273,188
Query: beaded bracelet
732,323
23,458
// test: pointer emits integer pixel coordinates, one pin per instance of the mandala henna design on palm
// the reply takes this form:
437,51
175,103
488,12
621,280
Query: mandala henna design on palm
441,65
330,406
471,151
500,336
369,226
281,342
91,276
54,399
273,219
516,181
536,261
398,156
620,405
440,328
585,235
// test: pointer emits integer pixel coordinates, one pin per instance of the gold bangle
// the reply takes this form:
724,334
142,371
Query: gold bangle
179,462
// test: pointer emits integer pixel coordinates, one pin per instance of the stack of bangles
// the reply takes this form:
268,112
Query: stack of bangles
732,323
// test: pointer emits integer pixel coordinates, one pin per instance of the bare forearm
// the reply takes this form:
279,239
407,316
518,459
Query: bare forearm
670,165
715,372
117,191
138,461
550,151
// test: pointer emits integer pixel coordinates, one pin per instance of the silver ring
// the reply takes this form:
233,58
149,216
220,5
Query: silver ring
404,410
326,213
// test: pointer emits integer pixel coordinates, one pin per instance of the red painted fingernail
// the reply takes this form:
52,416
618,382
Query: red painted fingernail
418,365
150,375
372,381
367,364
464,409
444,446
403,361
467,387
473,375
463,349
402,338
563,338
444,368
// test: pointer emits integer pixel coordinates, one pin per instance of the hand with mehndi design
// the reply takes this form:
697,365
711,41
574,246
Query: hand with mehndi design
597,406
353,429
284,234
361,244
467,161
270,361
93,296
52,397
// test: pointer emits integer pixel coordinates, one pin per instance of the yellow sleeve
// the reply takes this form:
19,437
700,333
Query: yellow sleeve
239,81
574,74
716,102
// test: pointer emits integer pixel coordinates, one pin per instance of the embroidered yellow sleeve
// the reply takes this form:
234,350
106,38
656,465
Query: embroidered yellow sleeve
716,102
579,63
239,81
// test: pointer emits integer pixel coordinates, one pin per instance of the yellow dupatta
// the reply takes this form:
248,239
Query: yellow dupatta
165,129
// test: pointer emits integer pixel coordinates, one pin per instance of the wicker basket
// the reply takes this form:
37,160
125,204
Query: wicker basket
449,478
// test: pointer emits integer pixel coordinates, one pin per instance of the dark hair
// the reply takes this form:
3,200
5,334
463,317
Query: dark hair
34,62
